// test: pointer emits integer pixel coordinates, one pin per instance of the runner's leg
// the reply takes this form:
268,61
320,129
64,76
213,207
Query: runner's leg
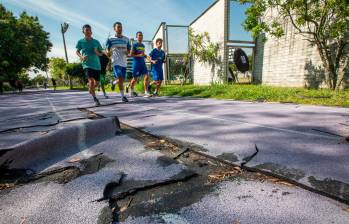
146,81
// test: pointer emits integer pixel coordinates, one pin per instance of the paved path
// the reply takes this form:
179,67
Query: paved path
302,143
299,142
287,136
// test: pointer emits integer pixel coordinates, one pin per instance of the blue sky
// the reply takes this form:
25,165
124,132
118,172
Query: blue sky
144,15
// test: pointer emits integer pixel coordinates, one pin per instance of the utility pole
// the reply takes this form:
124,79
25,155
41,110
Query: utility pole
64,28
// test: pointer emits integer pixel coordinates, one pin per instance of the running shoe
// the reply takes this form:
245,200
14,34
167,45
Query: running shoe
124,99
134,94
97,103
147,95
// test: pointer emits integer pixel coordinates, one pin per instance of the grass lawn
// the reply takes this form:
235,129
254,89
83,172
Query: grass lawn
261,93
252,93
68,88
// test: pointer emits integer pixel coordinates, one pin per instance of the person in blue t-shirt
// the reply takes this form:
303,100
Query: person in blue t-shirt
157,58
138,67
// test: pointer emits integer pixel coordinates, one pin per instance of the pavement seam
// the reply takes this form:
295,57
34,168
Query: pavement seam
249,158
135,190
253,169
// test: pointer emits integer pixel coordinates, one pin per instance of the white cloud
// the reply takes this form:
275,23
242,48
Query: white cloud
58,51
56,11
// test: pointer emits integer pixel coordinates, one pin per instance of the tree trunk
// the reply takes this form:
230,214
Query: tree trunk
70,82
330,71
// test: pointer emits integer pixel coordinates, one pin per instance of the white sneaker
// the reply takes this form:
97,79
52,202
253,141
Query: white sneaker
147,95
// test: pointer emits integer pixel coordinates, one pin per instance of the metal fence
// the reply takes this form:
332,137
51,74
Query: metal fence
177,48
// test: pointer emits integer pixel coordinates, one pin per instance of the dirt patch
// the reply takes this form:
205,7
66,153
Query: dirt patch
284,171
331,186
231,157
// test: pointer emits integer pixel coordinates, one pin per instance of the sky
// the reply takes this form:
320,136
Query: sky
144,15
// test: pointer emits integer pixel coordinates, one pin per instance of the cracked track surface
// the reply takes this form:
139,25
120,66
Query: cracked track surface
48,202
227,129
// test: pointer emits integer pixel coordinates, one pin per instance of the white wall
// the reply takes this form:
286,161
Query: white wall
159,33
212,21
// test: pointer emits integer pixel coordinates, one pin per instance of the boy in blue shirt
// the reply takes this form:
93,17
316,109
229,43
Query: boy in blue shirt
119,47
157,58
139,68
88,50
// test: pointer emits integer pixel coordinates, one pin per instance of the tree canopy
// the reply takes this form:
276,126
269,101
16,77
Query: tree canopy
201,48
323,23
23,44
57,68
75,70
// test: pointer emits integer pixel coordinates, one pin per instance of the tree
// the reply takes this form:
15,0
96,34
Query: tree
39,79
323,23
23,44
75,70
202,49
57,68
25,79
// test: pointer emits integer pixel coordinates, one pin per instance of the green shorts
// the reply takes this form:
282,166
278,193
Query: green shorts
102,78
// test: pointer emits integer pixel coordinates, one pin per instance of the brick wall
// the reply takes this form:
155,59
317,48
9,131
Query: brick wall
281,62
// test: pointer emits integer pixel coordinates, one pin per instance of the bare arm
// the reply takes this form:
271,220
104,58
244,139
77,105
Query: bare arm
108,52
82,57
98,52
135,55
151,61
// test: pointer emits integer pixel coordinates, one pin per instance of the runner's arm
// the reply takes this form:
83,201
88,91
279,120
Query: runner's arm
108,52
151,60
98,49
78,49
133,54
82,57
108,47
128,48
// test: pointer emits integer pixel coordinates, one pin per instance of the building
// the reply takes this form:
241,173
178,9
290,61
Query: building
279,62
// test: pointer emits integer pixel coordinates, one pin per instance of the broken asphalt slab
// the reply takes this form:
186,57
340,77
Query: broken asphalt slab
36,154
286,135
77,201
245,201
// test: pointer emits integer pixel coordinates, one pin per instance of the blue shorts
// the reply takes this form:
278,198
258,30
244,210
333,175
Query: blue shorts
139,70
157,75
119,71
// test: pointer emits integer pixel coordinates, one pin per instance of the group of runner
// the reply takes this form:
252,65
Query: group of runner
95,61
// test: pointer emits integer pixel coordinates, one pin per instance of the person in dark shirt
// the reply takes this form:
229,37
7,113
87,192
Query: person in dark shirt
104,60
139,67
54,84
